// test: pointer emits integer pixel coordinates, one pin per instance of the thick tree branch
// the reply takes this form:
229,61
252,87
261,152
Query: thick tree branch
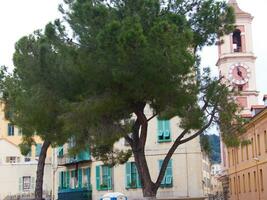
168,157
152,117
179,141
143,121
129,140
202,129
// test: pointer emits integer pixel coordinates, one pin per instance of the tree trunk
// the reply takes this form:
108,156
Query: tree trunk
40,171
149,198
148,187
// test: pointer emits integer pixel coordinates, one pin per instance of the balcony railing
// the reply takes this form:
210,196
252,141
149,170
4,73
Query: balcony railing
84,193
66,159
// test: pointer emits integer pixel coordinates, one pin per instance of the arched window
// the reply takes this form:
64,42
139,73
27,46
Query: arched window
237,42
240,88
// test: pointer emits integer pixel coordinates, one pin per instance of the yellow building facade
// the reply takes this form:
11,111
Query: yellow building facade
247,164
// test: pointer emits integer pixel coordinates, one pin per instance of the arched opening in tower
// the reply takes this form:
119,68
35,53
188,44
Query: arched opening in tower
237,42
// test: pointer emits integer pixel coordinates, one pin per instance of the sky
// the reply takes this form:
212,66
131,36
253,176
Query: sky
21,17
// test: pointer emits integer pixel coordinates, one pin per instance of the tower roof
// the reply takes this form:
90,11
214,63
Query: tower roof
237,9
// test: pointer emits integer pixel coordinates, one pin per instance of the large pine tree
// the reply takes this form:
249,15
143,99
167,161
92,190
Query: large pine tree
124,55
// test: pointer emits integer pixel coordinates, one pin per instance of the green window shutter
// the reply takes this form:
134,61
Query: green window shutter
134,175
88,176
80,178
59,180
38,149
67,179
61,177
160,129
20,184
128,175
97,172
64,180
60,151
168,174
138,178
167,130
163,180
109,178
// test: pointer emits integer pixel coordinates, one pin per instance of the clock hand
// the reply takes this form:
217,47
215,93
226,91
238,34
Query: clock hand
239,73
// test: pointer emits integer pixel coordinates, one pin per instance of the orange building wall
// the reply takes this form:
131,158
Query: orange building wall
250,160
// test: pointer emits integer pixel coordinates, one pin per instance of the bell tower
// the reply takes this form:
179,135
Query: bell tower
236,60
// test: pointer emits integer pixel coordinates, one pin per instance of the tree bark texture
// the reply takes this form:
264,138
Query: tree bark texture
40,171
148,187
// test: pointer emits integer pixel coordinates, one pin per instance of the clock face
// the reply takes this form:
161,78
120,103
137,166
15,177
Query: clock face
239,74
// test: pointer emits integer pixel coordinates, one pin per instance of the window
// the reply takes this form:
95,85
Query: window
242,152
261,180
60,151
132,177
67,179
259,144
265,140
255,181
239,185
164,133
244,183
247,152
73,179
237,155
167,180
233,157
237,42
249,183
11,159
10,129
230,186
103,177
26,183
252,147
80,178
62,180
86,177
234,186
38,148
240,88
67,175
